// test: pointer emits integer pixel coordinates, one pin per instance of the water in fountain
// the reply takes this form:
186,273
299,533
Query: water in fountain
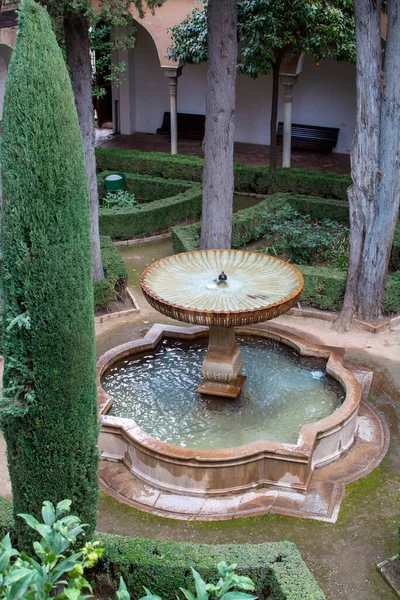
282,392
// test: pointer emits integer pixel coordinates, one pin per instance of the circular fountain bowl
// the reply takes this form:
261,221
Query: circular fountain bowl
282,392
228,471
187,287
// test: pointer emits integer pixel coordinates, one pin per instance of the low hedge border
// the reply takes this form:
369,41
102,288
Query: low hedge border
323,287
258,180
147,188
151,218
276,568
115,274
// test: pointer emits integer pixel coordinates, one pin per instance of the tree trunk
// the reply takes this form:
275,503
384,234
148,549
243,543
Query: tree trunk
76,31
375,160
274,113
218,181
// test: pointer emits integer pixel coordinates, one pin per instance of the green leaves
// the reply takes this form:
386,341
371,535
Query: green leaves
298,238
55,563
148,596
265,27
228,587
119,199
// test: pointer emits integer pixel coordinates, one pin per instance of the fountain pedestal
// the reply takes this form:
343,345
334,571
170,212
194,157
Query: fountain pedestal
222,365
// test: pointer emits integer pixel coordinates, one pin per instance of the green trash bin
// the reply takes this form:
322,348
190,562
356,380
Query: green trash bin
114,182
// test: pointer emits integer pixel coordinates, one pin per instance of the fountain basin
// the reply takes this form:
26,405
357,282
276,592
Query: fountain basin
230,471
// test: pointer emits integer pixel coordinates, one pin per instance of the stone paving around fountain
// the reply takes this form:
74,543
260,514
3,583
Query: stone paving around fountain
342,555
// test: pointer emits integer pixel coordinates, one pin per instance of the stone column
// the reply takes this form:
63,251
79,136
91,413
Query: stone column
173,73
288,82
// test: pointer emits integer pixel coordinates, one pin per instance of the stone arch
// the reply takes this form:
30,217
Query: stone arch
158,24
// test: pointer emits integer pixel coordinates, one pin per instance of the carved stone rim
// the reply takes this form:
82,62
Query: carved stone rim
221,318
309,433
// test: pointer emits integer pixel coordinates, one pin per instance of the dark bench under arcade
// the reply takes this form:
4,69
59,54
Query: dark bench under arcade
311,137
189,126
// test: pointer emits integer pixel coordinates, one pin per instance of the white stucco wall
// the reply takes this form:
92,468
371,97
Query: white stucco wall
326,95
323,95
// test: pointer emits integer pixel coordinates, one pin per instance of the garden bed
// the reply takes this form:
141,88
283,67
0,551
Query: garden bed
162,204
254,180
277,569
324,285
147,188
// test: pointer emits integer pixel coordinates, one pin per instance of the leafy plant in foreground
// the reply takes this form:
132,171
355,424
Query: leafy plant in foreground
224,589
56,571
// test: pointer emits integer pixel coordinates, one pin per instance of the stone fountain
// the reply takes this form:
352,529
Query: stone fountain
220,293
222,289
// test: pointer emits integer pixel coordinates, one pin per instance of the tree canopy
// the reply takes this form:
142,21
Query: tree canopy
324,29
267,31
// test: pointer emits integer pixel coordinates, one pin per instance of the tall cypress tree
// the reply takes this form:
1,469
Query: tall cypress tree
48,409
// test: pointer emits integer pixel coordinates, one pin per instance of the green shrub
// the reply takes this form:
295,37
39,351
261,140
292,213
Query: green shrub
119,199
228,586
310,183
153,164
115,274
49,408
164,567
190,168
391,295
305,241
323,287
148,219
56,566
320,208
394,262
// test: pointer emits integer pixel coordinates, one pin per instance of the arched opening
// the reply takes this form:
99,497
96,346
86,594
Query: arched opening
142,96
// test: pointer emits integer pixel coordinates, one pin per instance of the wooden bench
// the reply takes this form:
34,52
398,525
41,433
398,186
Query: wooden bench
310,137
189,126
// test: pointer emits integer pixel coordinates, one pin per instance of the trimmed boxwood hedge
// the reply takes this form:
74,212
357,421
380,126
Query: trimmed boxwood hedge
323,287
277,569
150,218
164,567
146,188
190,168
115,274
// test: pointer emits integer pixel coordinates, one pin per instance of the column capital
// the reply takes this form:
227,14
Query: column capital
288,82
288,79
172,72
